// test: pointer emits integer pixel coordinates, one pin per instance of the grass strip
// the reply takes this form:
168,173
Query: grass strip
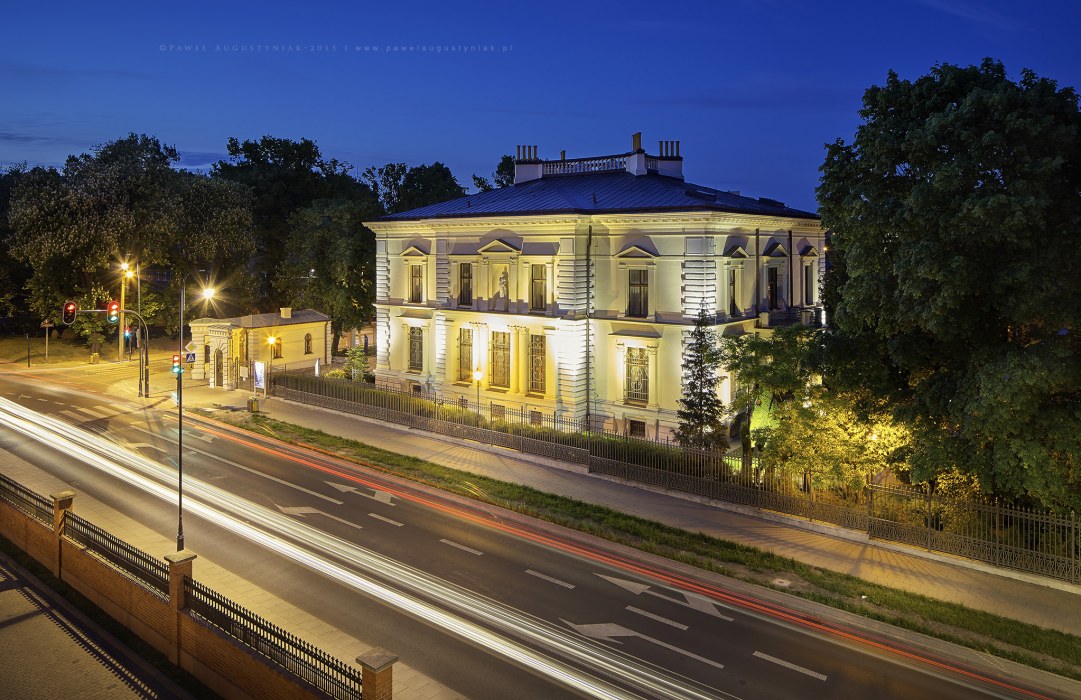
1045,649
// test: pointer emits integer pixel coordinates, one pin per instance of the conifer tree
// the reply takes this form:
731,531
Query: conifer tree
701,411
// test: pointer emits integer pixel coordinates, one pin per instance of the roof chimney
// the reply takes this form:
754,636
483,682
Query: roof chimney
669,161
636,141
287,311
526,165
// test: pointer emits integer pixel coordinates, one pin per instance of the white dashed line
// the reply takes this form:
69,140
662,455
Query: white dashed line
462,547
789,665
377,516
658,618
549,579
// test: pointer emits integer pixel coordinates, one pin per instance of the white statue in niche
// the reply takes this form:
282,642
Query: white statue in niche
502,295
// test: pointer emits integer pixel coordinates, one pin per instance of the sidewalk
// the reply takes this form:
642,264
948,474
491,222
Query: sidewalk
1044,602
42,635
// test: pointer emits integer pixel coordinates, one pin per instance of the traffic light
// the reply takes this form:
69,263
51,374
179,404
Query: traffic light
70,311
113,311
177,369
127,331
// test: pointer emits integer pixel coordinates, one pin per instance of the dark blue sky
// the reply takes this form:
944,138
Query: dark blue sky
752,88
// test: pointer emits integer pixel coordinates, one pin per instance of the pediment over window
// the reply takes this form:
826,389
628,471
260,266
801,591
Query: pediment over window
498,246
736,251
809,251
639,248
416,248
776,250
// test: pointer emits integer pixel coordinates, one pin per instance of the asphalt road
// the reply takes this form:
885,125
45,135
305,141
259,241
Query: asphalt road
614,619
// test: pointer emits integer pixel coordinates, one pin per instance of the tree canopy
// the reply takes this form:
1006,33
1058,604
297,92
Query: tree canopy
399,188
956,211
502,177
701,412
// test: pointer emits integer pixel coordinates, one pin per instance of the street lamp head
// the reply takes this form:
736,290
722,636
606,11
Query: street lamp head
271,340
128,273
208,293
477,374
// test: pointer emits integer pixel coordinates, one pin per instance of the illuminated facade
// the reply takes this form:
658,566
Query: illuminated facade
572,292
228,350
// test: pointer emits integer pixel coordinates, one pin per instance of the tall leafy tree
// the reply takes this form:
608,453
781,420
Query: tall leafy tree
331,262
400,189
701,411
284,176
956,210
124,199
13,274
502,177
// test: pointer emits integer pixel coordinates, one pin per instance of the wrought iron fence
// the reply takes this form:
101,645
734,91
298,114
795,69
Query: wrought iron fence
1040,543
137,564
307,662
1016,538
33,504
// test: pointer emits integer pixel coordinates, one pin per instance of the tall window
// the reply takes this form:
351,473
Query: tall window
307,343
773,291
465,284
733,300
276,348
536,364
416,284
538,292
465,354
809,284
500,374
638,293
637,389
416,349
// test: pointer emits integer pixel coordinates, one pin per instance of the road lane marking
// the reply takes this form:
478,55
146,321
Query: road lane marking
694,601
549,579
658,618
608,631
95,414
377,516
789,665
256,472
375,495
301,511
462,547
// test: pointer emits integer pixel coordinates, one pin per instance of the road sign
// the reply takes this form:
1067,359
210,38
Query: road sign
190,347
189,357
47,324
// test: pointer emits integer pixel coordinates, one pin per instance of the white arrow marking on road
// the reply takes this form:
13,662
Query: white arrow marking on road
788,664
301,511
377,516
694,601
607,631
376,495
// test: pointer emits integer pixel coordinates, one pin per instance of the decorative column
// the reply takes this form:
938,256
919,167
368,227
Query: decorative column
63,502
621,374
377,674
179,567
654,387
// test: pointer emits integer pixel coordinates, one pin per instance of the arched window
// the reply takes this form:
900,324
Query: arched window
308,344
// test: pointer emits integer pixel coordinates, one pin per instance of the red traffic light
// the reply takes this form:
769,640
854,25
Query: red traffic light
71,309
113,311
177,369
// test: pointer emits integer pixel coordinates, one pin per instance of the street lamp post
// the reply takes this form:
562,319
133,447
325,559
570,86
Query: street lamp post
207,294
476,378
272,343
125,275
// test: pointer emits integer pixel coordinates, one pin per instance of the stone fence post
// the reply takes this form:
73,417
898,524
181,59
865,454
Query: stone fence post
377,674
180,565
62,503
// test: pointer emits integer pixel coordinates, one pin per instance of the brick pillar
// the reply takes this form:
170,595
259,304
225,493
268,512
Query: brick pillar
179,567
62,503
377,674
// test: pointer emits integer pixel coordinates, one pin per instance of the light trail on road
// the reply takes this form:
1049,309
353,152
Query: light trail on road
284,536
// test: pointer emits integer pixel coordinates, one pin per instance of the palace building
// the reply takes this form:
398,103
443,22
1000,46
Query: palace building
571,292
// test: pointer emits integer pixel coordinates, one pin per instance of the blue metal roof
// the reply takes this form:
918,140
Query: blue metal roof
599,193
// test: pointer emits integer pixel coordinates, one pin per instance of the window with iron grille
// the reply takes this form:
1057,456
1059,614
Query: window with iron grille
499,412
638,293
733,301
465,354
637,390
538,293
465,284
307,343
536,418
773,288
277,348
416,349
636,428
536,364
500,359
416,284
